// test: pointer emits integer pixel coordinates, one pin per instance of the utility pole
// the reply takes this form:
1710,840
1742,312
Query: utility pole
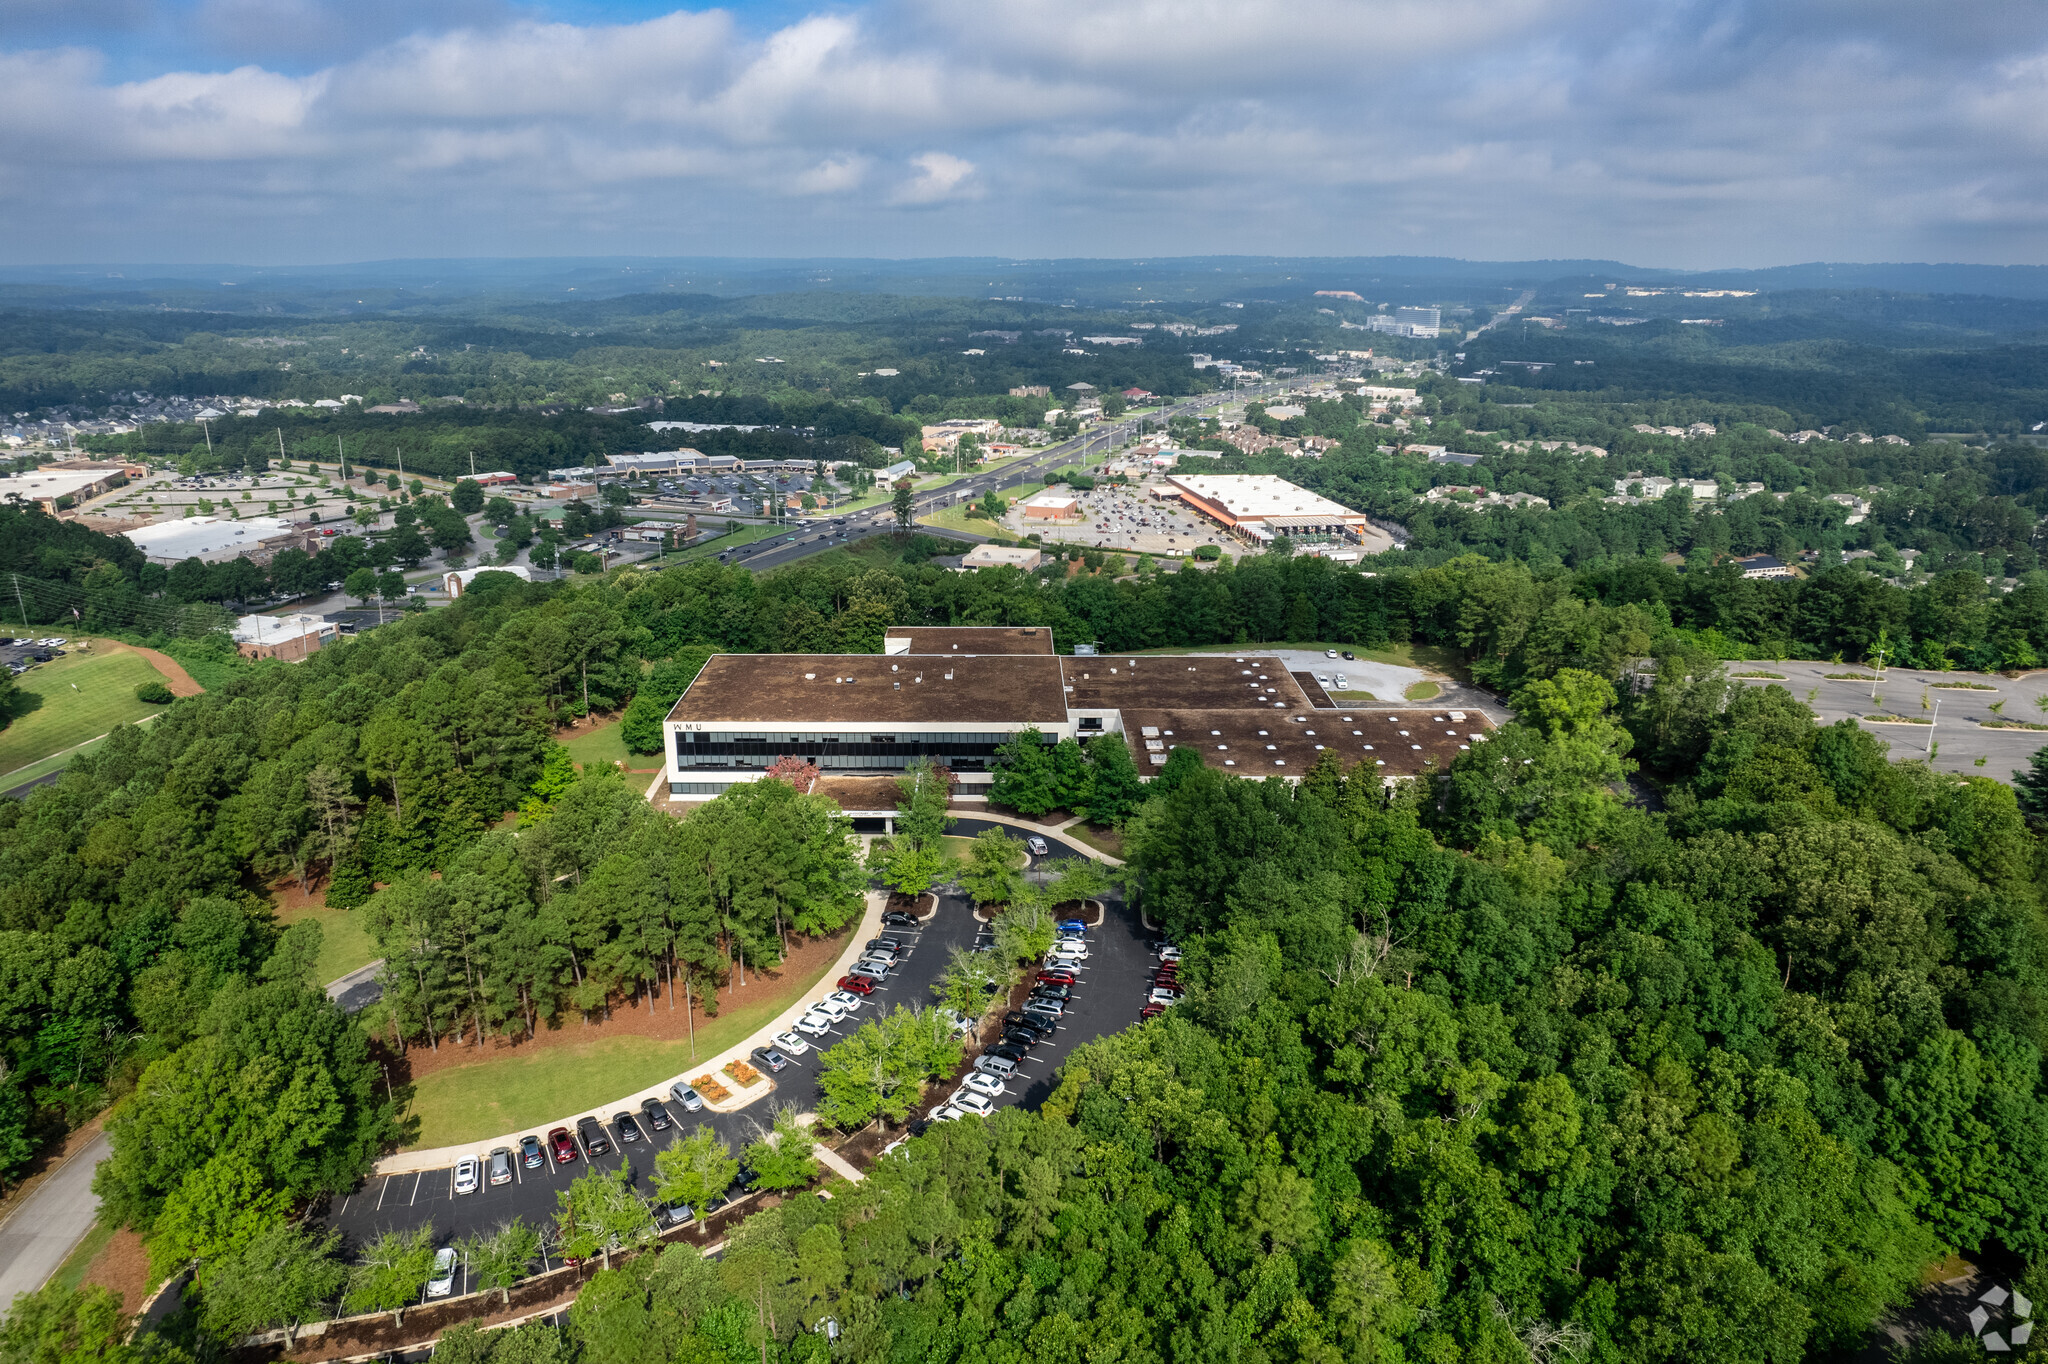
280,445
1931,724
18,601
209,437
1880,670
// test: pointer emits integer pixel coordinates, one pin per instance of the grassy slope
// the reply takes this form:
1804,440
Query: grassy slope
603,745
528,1088
105,698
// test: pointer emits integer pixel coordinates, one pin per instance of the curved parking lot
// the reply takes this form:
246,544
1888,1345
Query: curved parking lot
1112,988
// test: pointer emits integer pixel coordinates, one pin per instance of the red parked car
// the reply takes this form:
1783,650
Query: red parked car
1057,977
563,1145
860,985
1151,1011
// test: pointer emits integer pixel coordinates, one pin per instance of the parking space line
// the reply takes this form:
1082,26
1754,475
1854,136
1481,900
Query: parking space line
416,1188
381,1191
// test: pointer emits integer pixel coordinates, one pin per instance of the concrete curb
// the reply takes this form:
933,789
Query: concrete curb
412,1162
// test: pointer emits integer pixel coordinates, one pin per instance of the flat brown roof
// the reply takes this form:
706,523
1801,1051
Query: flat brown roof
1182,681
1396,743
873,689
971,639
859,793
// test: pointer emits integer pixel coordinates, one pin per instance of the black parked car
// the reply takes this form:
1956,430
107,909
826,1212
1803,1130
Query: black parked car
594,1139
1014,1055
1023,1039
1014,1019
656,1115
628,1129
1062,993
896,918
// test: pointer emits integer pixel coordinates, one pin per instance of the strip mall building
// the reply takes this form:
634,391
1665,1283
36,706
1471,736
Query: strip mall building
958,693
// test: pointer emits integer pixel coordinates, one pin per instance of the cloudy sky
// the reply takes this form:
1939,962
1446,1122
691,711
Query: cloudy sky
1661,132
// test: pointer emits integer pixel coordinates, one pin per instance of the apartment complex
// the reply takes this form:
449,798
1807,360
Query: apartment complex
959,693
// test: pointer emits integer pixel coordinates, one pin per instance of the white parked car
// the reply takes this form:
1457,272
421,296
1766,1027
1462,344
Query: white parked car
947,1114
1067,950
814,1025
1159,996
831,1008
790,1043
845,999
466,1175
443,1281
967,1101
983,1083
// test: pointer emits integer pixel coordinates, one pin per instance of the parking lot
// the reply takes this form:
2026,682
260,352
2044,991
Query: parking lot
22,652
1111,993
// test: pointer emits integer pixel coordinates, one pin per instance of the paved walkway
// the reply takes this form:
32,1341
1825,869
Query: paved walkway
39,1233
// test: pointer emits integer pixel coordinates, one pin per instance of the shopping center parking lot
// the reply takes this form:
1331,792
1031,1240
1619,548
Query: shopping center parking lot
1112,988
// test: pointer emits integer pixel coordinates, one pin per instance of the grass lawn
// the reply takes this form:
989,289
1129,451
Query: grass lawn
958,846
603,745
344,943
955,517
528,1088
66,718
1422,691
1102,840
71,1273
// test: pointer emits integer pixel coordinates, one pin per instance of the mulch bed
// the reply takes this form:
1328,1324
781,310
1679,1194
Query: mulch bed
629,1018
923,906
123,1266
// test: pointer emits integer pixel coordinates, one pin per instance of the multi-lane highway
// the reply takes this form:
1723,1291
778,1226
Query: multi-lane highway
1113,985
820,533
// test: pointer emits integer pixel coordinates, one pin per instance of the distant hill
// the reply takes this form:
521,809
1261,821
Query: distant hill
429,285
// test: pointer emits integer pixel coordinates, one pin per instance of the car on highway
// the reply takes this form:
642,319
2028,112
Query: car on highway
591,1132
563,1145
531,1154
689,1098
441,1282
466,1175
501,1165
981,1082
791,1043
627,1129
858,984
654,1114
770,1059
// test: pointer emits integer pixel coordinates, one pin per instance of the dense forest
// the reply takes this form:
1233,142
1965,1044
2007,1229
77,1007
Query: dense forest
1501,1065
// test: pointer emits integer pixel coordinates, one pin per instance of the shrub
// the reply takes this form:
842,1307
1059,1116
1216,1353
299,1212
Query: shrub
1208,551
154,692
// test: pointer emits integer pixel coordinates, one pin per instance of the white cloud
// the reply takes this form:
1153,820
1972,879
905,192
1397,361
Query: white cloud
940,176
1711,132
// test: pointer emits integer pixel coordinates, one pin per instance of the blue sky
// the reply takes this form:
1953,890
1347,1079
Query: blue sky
1667,132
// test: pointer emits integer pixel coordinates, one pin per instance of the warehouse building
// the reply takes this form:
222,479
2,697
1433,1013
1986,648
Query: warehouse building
957,694
216,539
